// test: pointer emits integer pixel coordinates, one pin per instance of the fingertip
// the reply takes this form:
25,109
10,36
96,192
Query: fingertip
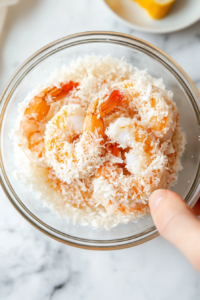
164,206
167,198
177,223
155,198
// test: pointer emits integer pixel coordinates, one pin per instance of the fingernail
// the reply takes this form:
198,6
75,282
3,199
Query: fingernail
155,198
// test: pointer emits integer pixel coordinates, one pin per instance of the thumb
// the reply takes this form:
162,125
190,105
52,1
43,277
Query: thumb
177,223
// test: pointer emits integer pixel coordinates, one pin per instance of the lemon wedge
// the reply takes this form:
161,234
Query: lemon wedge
156,8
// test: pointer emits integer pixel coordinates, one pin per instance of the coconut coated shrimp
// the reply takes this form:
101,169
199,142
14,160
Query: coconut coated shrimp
153,106
141,172
34,119
74,139
147,158
99,145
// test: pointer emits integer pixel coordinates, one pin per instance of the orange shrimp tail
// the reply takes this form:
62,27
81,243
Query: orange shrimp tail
93,124
64,90
39,106
38,109
115,97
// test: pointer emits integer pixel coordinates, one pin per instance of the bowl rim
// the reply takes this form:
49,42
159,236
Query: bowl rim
70,41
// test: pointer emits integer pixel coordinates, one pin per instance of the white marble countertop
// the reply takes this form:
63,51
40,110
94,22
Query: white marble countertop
33,266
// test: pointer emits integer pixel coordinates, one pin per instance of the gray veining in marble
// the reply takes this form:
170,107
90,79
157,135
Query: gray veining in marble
34,267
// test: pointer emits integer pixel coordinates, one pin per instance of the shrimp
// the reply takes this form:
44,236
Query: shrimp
74,138
34,119
147,159
142,171
153,106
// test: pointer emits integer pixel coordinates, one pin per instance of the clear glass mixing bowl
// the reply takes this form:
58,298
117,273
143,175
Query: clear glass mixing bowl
138,53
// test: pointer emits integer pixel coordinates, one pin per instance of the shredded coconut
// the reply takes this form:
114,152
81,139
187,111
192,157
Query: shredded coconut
82,176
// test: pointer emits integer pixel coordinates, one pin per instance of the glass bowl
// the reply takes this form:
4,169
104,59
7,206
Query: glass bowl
138,53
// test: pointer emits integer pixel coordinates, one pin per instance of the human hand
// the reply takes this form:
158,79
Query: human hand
177,223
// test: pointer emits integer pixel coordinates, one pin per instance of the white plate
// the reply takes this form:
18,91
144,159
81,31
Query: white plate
182,14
